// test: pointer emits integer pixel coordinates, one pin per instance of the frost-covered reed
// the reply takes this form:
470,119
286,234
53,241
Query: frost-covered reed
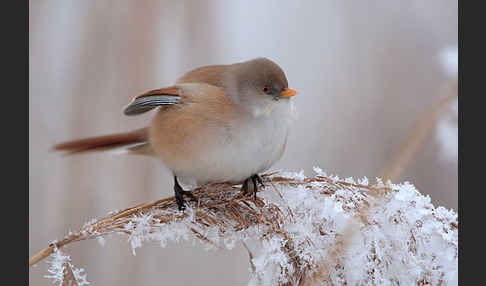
309,230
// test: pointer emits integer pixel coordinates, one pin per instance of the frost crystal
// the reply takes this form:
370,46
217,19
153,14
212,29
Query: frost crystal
63,272
308,231
449,60
447,128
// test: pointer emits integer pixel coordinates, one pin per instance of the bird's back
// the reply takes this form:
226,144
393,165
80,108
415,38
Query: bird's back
212,75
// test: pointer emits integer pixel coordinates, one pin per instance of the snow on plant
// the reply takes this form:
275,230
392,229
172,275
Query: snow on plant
447,129
319,230
63,272
449,60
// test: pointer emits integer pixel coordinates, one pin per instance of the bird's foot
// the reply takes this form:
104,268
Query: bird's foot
181,202
255,179
179,195
259,179
244,187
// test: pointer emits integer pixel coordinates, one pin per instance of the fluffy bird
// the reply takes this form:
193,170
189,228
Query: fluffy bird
217,123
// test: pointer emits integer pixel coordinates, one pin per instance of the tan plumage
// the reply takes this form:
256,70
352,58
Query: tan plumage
212,75
217,123
177,134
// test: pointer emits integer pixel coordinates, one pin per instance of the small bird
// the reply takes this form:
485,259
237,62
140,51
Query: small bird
217,123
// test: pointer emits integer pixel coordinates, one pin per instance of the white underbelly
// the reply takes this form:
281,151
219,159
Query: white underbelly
246,148
246,153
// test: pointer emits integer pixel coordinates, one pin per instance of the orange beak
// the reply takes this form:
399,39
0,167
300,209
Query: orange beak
287,93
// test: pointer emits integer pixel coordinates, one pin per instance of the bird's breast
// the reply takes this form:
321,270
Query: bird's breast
215,150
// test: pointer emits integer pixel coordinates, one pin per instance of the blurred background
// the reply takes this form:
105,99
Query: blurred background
365,71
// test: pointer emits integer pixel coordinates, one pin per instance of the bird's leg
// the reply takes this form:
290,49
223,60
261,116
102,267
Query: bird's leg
256,180
255,188
244,187
259,180
179,195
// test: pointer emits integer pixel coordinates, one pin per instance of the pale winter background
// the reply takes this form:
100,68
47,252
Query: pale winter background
365,72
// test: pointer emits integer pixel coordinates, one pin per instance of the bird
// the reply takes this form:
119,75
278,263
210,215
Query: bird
217,123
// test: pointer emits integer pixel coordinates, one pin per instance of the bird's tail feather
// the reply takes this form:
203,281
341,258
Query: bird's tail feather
135,142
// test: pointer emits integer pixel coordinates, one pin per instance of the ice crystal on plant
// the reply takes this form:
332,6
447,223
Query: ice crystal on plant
58,269
318,230
449,61
447,129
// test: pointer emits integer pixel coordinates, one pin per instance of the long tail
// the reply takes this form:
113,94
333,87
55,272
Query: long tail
135,142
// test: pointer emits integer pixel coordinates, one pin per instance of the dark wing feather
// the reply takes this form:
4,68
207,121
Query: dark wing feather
152,99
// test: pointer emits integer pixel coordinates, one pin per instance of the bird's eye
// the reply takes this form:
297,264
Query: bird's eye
266,89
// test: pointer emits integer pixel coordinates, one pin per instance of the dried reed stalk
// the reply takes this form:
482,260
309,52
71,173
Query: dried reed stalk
220,210
418,135
219,204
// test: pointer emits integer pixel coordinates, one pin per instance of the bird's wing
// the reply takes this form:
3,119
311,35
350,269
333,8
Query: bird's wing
151,99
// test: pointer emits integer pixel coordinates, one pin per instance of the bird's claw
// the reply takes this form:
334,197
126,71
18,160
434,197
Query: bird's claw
179,195
256,180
